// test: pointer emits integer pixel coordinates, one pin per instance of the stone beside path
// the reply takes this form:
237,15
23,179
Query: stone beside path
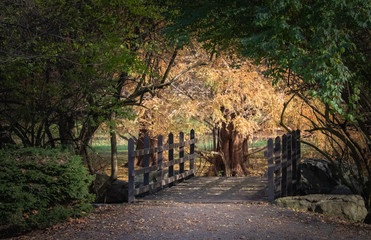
347,207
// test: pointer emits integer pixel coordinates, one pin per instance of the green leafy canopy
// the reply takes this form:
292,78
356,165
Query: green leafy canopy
324,42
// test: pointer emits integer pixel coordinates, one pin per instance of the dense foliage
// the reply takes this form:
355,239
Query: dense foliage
66,67
57,59
39,187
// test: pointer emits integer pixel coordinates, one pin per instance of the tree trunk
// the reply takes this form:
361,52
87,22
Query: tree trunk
85,136
245,148
83,152
113,146
66,125
140,145
232,147
50,141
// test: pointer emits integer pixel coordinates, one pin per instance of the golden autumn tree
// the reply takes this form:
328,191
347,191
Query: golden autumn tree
229,98
233,102
240,104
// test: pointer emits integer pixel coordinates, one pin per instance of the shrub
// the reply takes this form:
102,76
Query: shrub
40,187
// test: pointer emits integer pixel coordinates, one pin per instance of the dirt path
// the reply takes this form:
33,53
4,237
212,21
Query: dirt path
213,208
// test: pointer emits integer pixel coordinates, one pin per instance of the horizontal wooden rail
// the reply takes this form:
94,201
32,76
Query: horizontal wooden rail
164,165
166,147
160,181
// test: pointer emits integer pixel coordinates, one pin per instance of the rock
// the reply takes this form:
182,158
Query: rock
108,190
317,177
348,207
98,185
117,192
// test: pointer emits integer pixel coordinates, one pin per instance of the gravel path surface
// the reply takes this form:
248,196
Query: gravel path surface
204,208
173,220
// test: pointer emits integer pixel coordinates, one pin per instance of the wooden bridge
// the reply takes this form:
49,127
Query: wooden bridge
184,187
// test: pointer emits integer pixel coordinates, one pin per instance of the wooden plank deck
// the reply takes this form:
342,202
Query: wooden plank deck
214,190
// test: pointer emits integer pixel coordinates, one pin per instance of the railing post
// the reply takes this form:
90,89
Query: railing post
278,167
284,166
289,165
298,157
171,155
181,151
269,155
145,162
294,161
160,173
131,157
192,150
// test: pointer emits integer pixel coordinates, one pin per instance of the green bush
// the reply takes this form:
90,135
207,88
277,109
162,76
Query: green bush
41,187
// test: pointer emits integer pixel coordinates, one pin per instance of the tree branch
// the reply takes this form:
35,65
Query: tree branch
170,65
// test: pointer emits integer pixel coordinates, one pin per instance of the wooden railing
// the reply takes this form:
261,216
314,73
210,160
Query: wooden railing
158,169
283,161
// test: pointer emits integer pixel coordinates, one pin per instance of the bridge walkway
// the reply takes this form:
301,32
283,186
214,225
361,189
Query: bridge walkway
213,190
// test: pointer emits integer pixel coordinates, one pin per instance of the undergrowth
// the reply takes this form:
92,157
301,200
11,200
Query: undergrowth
41,187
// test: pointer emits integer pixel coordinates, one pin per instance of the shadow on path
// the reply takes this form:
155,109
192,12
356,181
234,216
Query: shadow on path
214,190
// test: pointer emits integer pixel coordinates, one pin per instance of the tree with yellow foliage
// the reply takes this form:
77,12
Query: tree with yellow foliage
229,98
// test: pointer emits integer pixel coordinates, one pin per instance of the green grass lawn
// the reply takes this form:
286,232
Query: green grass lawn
101,158
107,148
259,143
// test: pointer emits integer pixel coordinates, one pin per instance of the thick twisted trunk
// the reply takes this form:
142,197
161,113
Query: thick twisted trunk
233,149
